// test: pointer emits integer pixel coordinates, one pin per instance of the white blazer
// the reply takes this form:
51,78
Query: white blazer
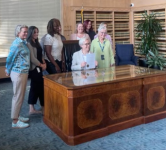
77,60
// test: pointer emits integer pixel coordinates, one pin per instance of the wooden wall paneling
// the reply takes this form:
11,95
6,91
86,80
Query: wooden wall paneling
94,23
2,68
121,27
131,26
147,3
113,34
137,17
2,72
103,3
161,37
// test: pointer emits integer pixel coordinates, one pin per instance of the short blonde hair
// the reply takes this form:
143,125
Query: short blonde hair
78,25
18,29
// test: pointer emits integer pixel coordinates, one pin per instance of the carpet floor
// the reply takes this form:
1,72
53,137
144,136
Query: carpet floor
38,136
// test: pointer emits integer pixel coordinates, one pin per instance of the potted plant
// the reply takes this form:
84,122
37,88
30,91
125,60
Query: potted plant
155,60
146,30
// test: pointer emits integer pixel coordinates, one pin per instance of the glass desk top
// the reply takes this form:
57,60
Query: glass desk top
81,78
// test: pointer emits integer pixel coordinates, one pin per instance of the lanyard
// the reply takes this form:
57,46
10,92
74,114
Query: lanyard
102,47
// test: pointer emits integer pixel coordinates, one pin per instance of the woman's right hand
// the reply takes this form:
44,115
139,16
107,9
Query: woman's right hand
83,64
43,66
58,69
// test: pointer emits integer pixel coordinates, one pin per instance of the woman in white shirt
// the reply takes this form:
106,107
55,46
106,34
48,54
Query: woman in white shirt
79,33
53,47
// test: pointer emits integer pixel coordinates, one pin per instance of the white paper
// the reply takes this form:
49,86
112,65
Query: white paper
38,70
90,61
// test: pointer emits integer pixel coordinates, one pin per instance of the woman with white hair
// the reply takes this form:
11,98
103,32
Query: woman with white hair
79,58
17,67
107,36
102,49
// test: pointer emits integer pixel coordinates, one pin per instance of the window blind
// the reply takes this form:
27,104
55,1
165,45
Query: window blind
30,12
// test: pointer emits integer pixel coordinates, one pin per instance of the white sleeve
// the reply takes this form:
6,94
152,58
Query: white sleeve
48,40
75,65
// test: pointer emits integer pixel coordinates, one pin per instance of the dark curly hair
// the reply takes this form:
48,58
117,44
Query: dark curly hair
50,26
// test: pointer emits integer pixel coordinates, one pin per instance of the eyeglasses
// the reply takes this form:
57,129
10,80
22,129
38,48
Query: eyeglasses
86,44
103,33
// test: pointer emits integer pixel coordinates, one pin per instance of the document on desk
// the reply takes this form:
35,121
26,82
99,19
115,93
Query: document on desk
90,61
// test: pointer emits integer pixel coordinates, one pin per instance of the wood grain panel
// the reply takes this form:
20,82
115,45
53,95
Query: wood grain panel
154,95
103,88
56,109
58,88
156,98
155,79
124,104
89,113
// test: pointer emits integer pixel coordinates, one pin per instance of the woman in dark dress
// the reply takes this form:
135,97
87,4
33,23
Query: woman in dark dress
37,65
89,29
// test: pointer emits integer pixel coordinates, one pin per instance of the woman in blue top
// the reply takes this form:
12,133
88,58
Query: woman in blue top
17,67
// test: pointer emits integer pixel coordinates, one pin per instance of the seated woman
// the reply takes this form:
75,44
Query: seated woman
89,29
79,33
79,58
103,49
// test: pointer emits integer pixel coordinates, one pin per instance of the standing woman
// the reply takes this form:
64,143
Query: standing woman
102,49
53,47
17,67
37,65
89,29
79,33
107,36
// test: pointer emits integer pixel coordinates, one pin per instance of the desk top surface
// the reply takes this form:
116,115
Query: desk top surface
83,78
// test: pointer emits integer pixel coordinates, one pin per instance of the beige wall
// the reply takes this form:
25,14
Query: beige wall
142,3
102,3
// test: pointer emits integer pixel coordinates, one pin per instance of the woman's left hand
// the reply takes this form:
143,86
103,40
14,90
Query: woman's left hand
96,63
43,66
7,74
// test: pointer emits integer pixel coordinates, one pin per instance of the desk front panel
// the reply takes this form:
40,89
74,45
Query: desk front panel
85,111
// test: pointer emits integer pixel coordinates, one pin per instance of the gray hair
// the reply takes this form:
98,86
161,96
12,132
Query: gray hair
82,40
101,28
18,29
102,24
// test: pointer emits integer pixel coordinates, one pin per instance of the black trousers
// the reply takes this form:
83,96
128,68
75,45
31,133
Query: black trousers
51,68
37,87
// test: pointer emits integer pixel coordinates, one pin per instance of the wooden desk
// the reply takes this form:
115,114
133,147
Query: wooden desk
82,106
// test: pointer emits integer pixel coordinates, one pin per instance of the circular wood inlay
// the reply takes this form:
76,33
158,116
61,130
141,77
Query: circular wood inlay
124,104
155,98
89,113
